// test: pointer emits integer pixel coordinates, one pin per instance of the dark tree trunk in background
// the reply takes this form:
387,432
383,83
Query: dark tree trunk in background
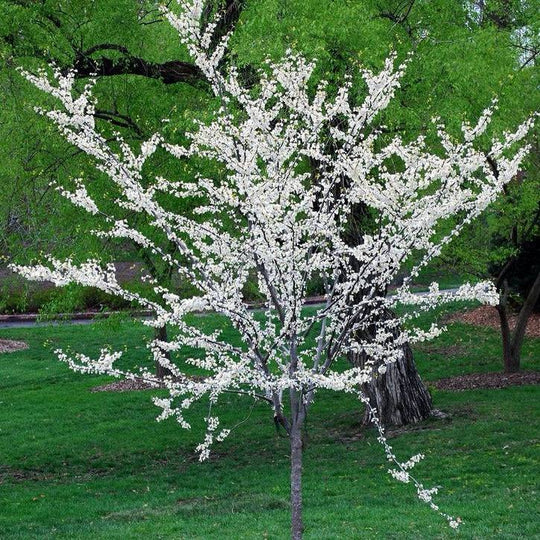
161,371
521,274
399,395
162,278
512,341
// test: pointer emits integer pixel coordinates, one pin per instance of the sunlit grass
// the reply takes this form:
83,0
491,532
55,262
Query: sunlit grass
78,464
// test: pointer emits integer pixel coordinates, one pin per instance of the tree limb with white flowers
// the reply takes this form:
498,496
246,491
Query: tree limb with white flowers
264,214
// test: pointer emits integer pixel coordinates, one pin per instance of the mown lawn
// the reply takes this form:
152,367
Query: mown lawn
78,464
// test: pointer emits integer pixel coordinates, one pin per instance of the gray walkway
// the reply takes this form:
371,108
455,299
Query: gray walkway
21,323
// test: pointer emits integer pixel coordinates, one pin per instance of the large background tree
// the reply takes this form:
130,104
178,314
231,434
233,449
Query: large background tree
458,46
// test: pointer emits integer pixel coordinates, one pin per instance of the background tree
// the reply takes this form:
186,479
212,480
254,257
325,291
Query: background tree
132,58
456,49
505,246
124,55
136,56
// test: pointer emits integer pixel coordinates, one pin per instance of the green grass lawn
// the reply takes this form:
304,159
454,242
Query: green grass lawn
78,464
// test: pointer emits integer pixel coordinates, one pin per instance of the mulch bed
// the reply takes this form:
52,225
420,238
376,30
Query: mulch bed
8,345
488,316
127,385
488,380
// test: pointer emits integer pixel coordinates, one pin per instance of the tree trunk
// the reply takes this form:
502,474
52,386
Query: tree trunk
512,342
297,420
509,361
512,361
399,395
296,483
161,371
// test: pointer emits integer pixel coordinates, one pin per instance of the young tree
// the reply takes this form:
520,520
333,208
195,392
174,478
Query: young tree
26,207
264,214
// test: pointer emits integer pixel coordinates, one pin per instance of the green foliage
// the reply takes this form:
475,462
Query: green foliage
508,231
456,69
50,303
460,61
74,298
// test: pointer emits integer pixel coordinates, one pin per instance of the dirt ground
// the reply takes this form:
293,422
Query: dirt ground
488,316
124,385
8,345
488,380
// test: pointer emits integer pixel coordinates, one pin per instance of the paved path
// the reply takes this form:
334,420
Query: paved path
29,321
34,324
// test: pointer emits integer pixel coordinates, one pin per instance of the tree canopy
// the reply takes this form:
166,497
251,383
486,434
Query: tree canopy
462,55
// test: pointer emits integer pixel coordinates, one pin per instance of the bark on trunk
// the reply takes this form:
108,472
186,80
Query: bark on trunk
161,371
512,342
399,395
297,421
296,483
509,361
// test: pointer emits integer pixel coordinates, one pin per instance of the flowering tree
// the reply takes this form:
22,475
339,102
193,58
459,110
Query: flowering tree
263,213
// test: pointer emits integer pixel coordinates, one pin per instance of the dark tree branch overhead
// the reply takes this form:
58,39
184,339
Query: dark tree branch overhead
400,13
120,120
230,9
170,72
173,71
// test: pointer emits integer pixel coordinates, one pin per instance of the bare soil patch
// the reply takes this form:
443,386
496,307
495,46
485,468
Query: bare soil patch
8,345
23,475
128,385
488,380
488,316
125,385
